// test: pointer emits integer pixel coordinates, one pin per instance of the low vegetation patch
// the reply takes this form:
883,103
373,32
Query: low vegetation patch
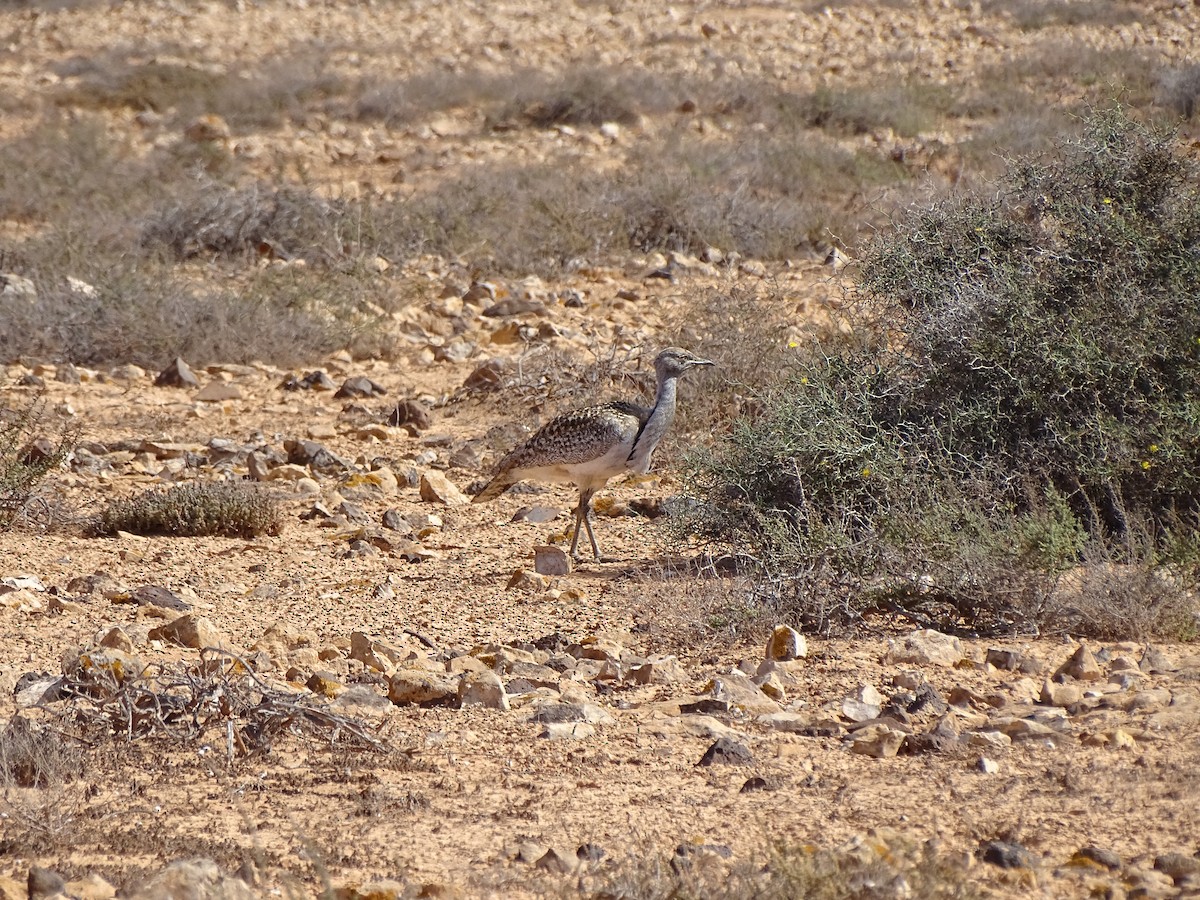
1016,406
27,455
224,508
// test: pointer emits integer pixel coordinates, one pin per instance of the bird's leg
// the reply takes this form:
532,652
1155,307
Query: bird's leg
583,521
587,523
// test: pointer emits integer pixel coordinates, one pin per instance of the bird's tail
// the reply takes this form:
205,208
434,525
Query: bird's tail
494,488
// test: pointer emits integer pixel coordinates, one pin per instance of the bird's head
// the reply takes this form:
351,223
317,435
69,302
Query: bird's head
674,361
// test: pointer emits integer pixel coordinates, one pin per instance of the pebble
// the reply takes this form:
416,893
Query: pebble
926,647
437,488
786,643
1007,855
725,751
551,561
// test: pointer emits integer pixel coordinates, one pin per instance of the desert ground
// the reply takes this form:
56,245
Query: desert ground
478,728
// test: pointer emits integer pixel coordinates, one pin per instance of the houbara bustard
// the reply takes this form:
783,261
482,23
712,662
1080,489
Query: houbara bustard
586,447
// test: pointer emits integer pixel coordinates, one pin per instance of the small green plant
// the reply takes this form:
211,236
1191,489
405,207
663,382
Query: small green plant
226,508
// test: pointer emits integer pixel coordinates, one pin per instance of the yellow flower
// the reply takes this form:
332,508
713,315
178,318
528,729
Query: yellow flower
1145,464
804,379
1154,448
1107,201
866,472
792,345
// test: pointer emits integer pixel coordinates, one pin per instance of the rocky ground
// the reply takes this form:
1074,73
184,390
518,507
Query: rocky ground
429,714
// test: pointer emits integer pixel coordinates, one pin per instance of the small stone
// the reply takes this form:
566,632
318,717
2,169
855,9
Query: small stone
943,737
218,392
563,731
786,643
44,883
726,752
1177,866
1055,694
487,376
437,488
1100,856
359,386
482,689
878,740
657,670
551,561
325,684
414,687
987,766
177,374
556,861
158,596
864,704
1082,666
536,515
927,647
117,639
374,654
411,412
524,580
90,887
191,631
1007,855
991,740
1154,661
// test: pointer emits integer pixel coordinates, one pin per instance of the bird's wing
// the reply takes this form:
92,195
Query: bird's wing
578,436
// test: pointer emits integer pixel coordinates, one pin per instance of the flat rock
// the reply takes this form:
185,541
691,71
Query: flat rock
191,631
482,689
878,740
551,561
437,488
218,392
562,731
728,752
414,687
926,647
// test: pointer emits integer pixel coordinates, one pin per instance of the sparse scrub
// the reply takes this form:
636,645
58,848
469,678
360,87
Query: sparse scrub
228,509
27,456
39,770
285,223
1018,397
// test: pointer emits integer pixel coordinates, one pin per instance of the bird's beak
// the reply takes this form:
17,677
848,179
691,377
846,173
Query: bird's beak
702,362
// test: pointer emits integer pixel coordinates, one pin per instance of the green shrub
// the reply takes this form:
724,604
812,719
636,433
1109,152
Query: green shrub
229,509
1020,393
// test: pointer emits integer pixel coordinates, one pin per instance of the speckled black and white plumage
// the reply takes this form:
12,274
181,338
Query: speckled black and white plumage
586,447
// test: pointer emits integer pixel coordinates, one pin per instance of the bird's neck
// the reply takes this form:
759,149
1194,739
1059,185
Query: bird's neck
656,426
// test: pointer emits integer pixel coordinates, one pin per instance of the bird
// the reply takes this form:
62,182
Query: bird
586,447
